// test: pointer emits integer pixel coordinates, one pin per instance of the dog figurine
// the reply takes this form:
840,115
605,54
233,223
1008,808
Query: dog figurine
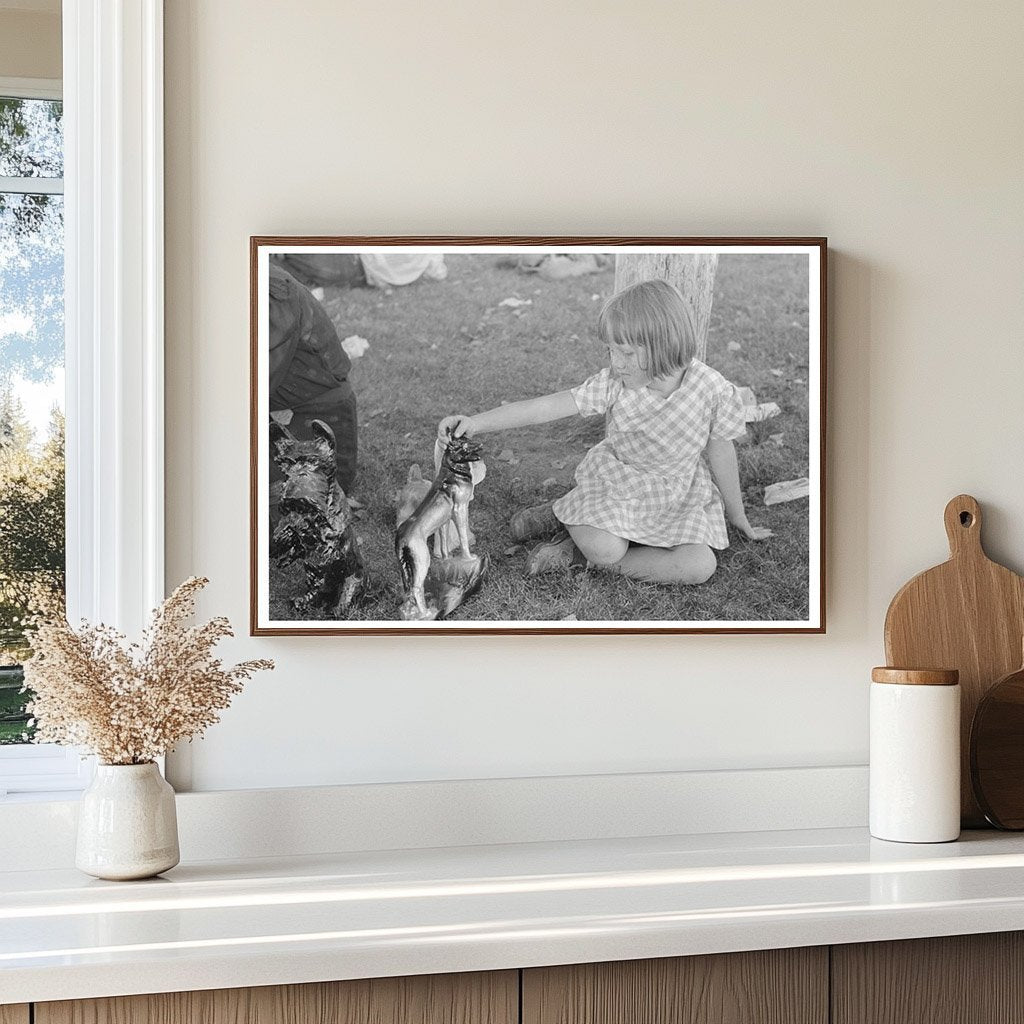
315,526
444,505
445,540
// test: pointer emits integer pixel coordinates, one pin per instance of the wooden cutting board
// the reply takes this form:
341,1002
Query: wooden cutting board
967,614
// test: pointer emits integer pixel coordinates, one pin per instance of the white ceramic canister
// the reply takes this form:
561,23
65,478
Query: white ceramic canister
915,755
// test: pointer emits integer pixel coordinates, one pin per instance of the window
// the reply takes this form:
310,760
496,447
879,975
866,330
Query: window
32,533
113,331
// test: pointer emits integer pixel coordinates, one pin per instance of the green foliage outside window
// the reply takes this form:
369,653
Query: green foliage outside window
31,350
31,546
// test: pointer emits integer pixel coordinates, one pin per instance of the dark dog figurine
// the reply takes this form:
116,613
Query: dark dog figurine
447,501
315,525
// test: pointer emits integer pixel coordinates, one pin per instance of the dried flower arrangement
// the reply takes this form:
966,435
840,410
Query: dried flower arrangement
129,704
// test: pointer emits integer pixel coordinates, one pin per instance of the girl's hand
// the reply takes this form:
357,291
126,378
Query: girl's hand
752,532
455,426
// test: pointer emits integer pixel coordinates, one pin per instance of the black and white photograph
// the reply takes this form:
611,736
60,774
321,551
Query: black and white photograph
537,435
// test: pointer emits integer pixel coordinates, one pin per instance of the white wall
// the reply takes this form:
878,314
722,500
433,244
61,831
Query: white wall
894,129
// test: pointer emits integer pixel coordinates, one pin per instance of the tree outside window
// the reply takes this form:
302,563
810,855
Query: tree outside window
32,540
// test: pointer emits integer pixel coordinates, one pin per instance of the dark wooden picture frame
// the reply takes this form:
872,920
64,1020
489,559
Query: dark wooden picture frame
795,380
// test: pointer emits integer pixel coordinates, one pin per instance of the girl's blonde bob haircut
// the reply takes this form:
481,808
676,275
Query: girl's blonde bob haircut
653,318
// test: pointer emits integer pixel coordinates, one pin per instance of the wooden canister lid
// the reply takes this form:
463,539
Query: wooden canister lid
916,676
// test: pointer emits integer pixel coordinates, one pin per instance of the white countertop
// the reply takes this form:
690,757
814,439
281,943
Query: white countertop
224,924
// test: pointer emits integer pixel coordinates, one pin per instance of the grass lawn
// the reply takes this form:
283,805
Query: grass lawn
440,348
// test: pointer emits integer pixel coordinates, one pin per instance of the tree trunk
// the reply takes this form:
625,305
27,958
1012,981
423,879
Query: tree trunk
693,275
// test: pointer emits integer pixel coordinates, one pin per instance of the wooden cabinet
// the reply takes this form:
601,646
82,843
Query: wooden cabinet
967,979
776,986
482,998
962,979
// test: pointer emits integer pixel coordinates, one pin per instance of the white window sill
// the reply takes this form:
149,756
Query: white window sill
42,772
45,797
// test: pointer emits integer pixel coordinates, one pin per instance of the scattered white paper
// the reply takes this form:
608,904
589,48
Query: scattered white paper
787,490
354,346
764,411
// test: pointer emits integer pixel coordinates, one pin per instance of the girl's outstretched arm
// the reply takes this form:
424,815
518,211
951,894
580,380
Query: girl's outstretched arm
726,473
516,414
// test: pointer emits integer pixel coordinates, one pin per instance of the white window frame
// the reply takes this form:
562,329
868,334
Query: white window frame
114,322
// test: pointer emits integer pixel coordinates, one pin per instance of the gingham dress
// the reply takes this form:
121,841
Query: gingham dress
646,481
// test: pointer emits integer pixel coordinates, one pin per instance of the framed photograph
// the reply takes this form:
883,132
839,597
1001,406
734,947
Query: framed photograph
537,435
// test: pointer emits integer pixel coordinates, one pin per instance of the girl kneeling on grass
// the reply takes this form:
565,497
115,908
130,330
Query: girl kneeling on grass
645,503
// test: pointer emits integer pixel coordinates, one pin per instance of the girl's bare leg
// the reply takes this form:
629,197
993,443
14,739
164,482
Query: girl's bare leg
598,546
686,563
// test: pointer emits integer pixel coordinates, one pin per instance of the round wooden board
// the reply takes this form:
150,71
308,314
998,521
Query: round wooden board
997,752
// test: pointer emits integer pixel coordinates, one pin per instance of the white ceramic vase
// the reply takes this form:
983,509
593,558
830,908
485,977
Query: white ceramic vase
127,825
